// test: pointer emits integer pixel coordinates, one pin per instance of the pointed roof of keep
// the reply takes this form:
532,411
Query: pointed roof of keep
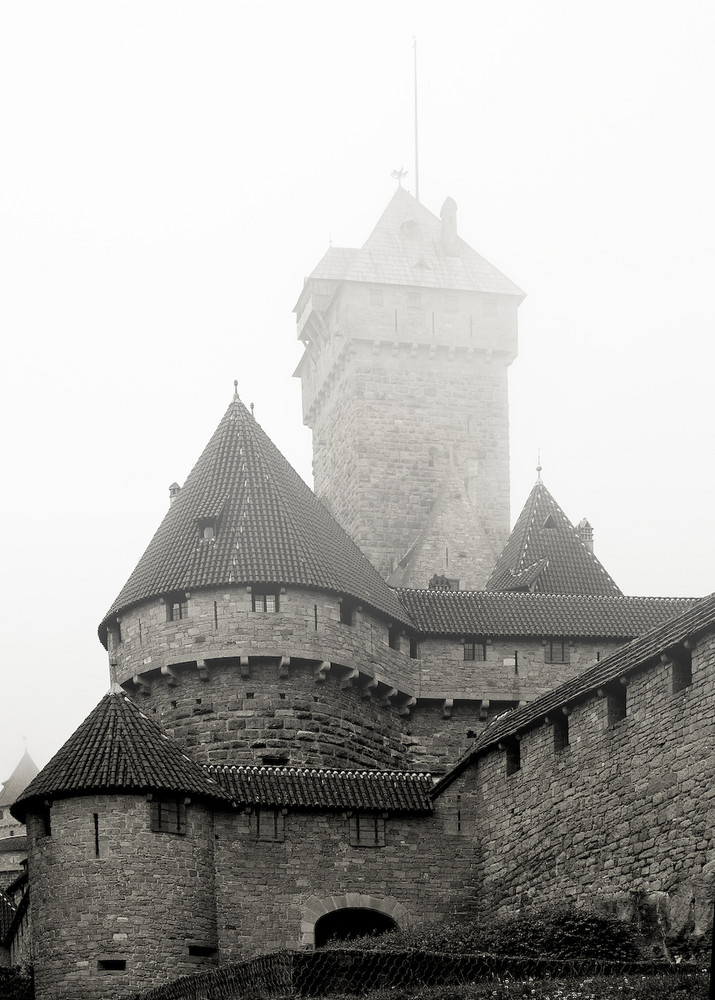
20,778
407,247
269,528
545,554
118,749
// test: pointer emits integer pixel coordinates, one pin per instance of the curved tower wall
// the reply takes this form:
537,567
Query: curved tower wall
95,888
297,686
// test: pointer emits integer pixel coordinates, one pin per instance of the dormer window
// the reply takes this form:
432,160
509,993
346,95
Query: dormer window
207,528
265,601
550,523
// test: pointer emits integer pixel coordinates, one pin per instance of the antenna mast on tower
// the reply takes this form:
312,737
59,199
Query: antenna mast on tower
417,156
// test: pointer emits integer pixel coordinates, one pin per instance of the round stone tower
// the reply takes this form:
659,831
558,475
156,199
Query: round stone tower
119,819
253,628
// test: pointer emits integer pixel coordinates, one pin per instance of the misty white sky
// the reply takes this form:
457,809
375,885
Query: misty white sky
169,173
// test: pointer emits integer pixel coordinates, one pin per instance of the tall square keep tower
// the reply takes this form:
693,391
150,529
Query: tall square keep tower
404,379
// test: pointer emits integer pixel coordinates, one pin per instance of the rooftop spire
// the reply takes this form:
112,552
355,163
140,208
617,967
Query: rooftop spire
538,466
235,389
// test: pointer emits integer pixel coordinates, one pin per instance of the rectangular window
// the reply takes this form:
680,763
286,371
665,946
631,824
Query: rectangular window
615,704
489,305
177,608
376,298
168,815
561,732
414,649
452,303
111,964
512,750
346,613
270,825
393,638
265,602
414,300
475,650
367,830
682,670
556,651
512,661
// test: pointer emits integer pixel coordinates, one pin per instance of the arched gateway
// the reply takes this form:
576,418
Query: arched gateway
349,915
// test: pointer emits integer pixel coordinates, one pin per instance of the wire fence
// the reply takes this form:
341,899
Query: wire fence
289,974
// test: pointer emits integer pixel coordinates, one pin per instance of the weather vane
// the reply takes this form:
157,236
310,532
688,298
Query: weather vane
398,175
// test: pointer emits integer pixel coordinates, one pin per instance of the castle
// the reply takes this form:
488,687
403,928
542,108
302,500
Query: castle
370,705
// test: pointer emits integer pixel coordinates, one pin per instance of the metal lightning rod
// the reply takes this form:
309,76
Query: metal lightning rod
417,153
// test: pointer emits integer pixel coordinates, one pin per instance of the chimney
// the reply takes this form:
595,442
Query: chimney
174,491
448,215
585,533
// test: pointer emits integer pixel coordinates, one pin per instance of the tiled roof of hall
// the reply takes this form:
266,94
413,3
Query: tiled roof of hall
407,247
270,529
118,749
494,615
637,654
546,555
326,788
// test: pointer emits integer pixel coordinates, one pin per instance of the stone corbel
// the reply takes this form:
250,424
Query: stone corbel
172,678
447,707
139,682
484,709
406,706
367,689
320,671
203,669
349,679
284,667
244,666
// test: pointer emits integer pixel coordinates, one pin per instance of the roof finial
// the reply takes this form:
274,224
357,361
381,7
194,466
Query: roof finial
252,413
398,175
538,465
235,388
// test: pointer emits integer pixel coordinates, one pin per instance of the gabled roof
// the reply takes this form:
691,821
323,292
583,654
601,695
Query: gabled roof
406,248
117,749
493,615
311,788
270,529
699,618
545,554
18,780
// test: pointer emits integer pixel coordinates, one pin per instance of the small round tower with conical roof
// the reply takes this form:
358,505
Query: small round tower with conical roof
253,628
118,819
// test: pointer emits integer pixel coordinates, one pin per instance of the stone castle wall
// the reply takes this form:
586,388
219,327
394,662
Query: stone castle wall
623,812
144,900
271,894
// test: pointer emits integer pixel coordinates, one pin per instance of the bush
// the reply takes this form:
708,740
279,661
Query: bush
16,984
554,932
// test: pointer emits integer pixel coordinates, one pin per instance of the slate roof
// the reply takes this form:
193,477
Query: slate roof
18,780
545,554
493,615
406,248
638,653
271,529
13,845
117,749
310,788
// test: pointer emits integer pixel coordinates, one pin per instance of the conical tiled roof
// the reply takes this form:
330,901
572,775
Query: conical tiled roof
545,554
406,248
118,749
270,528
18,780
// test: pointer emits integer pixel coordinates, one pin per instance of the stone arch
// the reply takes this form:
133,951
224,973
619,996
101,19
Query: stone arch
316,907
